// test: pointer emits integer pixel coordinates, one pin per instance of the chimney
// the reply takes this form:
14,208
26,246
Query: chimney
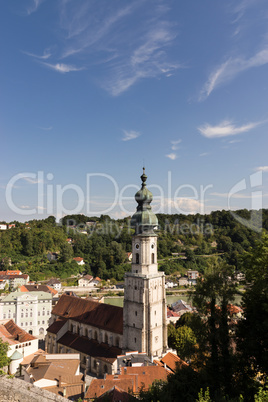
59,381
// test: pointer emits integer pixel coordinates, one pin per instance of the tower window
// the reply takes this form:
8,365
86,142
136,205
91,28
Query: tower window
136,313
134,325
135,340
152,258
137,258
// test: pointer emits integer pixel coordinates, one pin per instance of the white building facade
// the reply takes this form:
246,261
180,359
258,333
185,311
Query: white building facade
30,310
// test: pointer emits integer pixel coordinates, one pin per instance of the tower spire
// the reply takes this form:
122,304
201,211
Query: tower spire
144,220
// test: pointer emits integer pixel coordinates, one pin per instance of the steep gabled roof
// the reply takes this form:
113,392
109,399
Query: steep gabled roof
116,394
90,347
173,361
100,315
11,333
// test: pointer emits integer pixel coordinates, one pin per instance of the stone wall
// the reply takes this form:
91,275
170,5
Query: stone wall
15,390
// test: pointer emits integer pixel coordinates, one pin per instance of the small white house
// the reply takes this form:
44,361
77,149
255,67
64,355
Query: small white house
55,284
21,343
85,281
79,260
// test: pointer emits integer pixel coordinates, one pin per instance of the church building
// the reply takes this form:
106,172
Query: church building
145,310
100,332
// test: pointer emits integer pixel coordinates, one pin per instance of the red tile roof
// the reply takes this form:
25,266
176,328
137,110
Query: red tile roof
116,394
11,333
172,361
130,379
78,259
38,288
100,315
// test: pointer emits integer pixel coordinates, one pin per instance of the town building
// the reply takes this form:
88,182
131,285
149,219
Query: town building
180,307
57,373
79,260
171,362
55,284
145,324
14,278
95,330
85,281
21,343
30,310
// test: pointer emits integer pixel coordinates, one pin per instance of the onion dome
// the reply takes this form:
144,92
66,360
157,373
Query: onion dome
144,221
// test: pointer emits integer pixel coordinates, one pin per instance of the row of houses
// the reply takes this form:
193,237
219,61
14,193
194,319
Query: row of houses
12,279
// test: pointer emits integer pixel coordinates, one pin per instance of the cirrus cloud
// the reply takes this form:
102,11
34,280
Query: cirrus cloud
225,129
130,135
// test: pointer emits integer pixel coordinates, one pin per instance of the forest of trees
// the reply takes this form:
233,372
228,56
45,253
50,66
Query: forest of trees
104,242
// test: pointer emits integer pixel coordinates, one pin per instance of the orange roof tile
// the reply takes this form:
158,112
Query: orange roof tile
172,361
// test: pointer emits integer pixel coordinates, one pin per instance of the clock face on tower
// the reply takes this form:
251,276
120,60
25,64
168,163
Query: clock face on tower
152,245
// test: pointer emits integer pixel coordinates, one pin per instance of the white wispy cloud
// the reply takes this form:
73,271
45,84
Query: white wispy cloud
231,68
130,135
34,6
125,55
175,145
225,128
62,68
262,169
172,156
204,154
46,54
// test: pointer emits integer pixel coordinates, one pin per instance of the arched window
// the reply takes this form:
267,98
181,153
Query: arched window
117,342
152,258
86,332
78,330
137,258
106,338
105,368
96,335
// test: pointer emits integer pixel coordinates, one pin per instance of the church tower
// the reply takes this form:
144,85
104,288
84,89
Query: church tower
145,311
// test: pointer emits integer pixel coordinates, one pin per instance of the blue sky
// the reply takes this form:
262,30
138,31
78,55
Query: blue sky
92,90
